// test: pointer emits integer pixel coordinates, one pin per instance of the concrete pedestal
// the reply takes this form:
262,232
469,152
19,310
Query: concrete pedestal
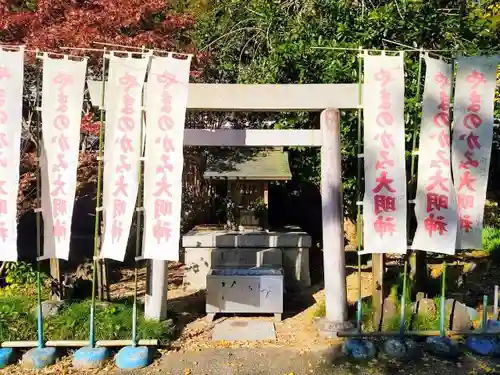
155,303
213,249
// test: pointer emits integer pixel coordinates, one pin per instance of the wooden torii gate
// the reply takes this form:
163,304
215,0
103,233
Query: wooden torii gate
328,98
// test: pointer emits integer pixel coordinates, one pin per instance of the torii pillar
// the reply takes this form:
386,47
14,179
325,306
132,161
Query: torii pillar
333,227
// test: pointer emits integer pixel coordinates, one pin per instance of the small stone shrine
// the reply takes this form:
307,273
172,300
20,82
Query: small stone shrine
246,246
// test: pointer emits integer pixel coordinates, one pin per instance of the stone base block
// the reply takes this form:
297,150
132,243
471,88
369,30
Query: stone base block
329,329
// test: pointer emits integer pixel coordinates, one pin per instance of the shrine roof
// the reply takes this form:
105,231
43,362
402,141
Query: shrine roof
270,165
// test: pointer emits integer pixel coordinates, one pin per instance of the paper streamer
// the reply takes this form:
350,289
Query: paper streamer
122,151
435,206
11,119
166,112
472,139
62,101
384,203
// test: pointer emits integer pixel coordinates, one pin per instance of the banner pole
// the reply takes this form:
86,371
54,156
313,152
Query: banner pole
98,208
411,188
359,228
138,238
442,313
38,205
403,302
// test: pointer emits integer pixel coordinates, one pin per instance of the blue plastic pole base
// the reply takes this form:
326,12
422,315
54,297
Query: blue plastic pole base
359,349
39,358
90,358
133,357
401,348
6,356
484,345
443,347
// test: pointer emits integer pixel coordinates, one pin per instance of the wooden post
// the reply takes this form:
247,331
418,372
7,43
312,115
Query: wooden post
377,288
55,274
333,232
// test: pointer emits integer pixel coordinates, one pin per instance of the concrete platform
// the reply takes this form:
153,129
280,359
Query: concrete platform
243,330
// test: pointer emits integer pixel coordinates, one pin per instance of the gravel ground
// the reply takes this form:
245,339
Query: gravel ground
275,361
281,361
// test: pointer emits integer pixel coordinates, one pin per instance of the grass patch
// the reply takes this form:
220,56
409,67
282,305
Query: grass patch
113,322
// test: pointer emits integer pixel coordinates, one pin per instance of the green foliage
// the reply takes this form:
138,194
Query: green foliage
18,322
259,207
491,240
17,318
21,273
111,323
491,214
415,322
260,41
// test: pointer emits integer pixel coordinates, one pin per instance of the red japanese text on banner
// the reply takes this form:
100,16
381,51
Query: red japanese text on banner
122,151
166,112
435,206
472,139
62,101
11,100
384,203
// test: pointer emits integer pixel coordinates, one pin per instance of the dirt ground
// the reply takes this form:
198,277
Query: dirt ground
297,330
298,349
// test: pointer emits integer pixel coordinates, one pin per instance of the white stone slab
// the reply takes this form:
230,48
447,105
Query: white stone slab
243,330
230,239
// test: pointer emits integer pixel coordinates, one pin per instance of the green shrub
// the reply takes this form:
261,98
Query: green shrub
21,273
491,239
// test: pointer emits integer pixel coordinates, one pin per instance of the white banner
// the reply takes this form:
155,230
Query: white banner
384,203
166,112
11,119
435,206
62,101
122,152
472,138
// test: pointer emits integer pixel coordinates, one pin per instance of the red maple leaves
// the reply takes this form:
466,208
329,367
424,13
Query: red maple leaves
52,24
79,23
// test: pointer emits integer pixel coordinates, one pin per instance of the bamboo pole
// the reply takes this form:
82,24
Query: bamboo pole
98,209
20,344
403,301
495,303
448,333
115,343
138,236
38,210
411,193
77,343
359,228
484,320
442,309
68,343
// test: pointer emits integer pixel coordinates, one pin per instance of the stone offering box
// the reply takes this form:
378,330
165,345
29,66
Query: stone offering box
218,249
232,290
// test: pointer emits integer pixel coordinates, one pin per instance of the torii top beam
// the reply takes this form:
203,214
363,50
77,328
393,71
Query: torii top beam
259,98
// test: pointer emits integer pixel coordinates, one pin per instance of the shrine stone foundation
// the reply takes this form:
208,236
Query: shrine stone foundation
206,249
